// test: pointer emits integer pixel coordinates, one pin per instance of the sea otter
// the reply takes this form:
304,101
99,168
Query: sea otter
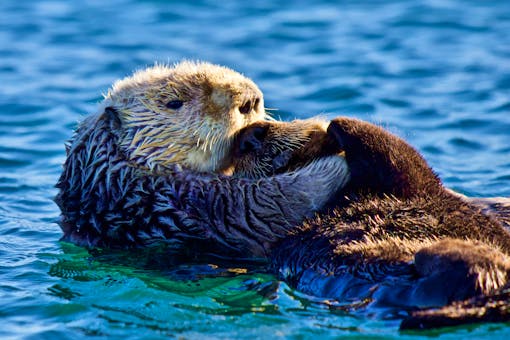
396,237
135,173
132,175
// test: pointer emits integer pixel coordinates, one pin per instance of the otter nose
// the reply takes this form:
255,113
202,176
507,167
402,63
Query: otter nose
249,105
251,139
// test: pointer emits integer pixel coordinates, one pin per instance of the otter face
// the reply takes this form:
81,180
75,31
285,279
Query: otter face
187,114
379,162
267,148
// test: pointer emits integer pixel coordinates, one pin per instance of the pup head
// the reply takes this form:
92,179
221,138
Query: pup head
271,147
380,162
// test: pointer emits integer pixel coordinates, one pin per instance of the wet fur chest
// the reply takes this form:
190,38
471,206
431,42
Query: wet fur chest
107,202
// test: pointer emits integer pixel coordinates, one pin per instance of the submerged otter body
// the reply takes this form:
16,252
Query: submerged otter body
134,176
397,237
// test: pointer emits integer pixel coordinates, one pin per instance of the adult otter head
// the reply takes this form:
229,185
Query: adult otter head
379,162
187,114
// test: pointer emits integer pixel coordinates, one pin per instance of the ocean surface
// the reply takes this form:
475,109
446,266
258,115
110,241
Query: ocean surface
436,72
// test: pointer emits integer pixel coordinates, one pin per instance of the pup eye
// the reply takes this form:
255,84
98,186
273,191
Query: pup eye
174,104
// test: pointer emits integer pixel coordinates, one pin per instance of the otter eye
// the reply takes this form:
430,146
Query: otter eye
174,104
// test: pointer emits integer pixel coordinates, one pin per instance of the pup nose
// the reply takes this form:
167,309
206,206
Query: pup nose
251,139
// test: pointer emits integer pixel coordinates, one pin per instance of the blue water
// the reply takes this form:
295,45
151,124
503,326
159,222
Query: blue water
435,72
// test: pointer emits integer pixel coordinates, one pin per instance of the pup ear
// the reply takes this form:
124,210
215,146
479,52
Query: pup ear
351,135
112,116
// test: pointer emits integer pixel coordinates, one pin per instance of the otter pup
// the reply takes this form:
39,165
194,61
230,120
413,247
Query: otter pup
134,173
396,237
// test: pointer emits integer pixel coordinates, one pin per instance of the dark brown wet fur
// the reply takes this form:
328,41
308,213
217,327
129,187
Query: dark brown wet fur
381,162
482,308
394,220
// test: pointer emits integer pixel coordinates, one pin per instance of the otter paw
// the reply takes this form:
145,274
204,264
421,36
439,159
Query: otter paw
323,178
477,268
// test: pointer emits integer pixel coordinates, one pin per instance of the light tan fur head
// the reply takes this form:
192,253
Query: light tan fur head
187,114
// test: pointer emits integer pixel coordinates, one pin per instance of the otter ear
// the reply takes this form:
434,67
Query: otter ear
113,117
340,129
